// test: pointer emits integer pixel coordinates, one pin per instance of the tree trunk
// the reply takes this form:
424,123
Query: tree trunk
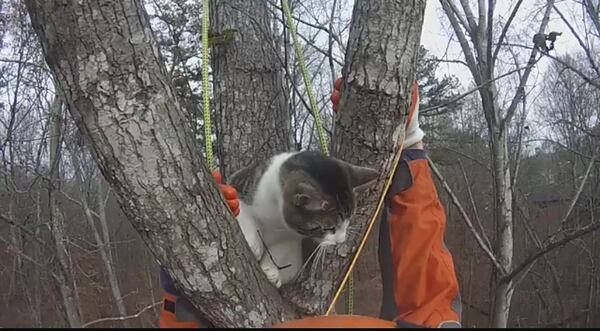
108,66
504,228
252,120
376,97
65,281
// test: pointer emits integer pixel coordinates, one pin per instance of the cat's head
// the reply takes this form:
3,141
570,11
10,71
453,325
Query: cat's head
318,195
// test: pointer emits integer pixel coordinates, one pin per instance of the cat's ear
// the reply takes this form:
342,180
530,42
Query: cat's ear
359,175
307,198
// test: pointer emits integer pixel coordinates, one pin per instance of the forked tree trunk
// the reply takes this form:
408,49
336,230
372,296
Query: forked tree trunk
106,61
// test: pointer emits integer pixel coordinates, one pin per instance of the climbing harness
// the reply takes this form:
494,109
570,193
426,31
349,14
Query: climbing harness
348,276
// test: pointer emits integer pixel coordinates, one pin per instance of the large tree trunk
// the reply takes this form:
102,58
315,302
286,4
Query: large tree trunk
252,119
376,97
504,229
106,61
108,66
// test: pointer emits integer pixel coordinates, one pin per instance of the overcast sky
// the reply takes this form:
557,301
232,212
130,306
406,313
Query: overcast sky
436,33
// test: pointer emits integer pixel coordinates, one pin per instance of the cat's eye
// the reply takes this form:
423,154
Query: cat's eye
329,229
313,228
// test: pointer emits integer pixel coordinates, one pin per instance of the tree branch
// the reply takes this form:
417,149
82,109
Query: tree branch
550,247
121,318
487,250
504,31
530,64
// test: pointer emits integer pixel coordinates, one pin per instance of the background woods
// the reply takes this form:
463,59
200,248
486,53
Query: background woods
513,134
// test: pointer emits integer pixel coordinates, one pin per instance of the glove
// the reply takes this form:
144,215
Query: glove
414,134
229,192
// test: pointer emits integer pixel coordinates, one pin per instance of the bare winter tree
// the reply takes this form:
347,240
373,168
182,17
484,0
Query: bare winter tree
105,59
476,34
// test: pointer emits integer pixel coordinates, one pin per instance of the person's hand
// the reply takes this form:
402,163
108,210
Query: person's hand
414,134
229,192
336,94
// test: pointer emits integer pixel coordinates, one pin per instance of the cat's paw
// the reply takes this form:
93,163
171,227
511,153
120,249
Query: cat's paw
256,246
272,274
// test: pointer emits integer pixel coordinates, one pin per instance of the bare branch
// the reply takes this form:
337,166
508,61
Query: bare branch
581,43
563,222
122,318
474,206
585,77
487,250
24,230
503,33
473,90
550,247
532,61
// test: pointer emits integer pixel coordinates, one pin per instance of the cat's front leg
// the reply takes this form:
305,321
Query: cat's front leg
271,271
250,230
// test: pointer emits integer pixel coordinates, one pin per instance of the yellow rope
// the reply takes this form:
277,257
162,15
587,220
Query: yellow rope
206,88
395,162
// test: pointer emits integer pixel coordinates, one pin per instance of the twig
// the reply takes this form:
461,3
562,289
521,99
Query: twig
465,217
77,202
24,229
473,205
581,232
563,222
473,90
122,318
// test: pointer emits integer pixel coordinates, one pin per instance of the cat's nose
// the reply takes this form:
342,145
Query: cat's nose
340,237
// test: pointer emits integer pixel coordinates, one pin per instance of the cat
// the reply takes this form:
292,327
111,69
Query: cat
293,196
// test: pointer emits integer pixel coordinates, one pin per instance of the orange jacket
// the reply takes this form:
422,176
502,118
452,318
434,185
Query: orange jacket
419,281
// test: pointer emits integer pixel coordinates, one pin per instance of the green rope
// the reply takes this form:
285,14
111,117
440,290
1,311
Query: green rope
307,84
350,295
206,88
318,122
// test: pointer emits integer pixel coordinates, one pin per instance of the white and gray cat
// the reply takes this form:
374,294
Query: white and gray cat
293,196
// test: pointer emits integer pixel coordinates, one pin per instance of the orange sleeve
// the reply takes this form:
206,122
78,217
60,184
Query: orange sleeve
424,285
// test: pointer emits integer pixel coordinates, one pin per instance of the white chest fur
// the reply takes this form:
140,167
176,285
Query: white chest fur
264,218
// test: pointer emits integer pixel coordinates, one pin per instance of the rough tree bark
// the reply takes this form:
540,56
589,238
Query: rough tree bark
379,69
251,116
109,69
107,64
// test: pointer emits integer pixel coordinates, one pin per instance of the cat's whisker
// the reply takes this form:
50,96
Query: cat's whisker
302,269
314,266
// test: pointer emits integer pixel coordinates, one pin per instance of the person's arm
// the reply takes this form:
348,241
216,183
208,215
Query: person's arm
419,281
420,285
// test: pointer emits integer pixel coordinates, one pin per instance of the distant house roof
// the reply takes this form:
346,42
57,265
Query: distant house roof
546,196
